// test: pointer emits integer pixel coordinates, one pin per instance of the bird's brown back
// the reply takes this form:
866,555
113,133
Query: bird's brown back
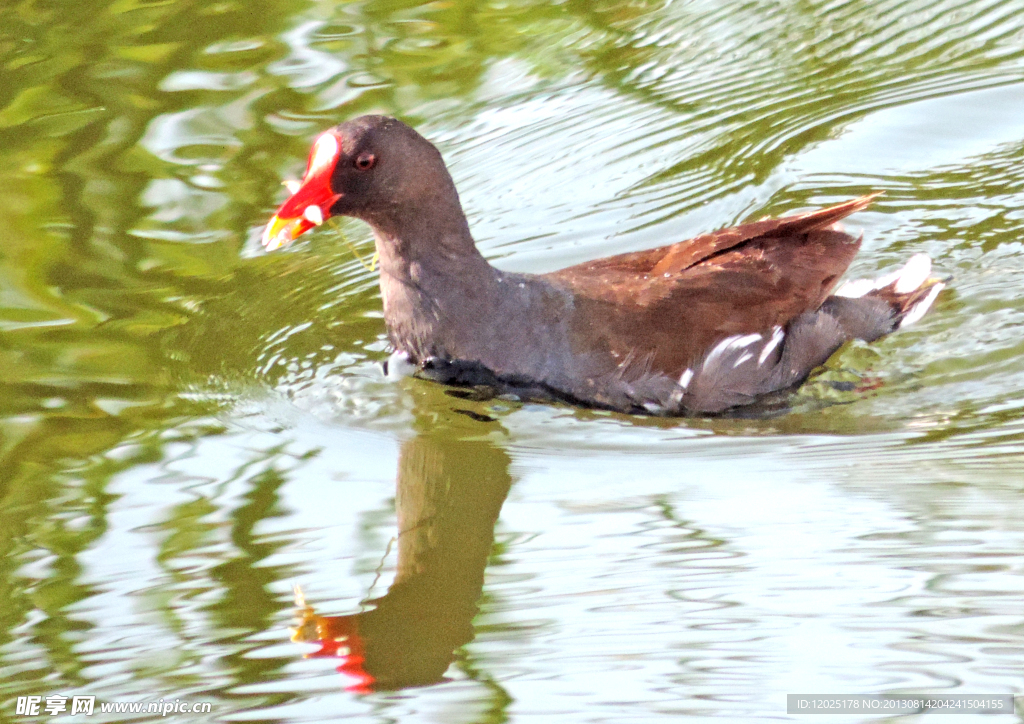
669,305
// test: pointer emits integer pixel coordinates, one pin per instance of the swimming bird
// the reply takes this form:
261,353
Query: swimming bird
695,327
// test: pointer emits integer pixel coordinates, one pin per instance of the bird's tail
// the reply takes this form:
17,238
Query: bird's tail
870,308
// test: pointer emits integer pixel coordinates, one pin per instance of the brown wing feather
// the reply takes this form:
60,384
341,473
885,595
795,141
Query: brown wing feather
685,254
687,296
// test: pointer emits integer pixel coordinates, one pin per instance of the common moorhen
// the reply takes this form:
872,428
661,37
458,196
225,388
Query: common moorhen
700,326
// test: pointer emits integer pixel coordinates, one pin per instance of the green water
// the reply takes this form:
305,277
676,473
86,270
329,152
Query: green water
189,427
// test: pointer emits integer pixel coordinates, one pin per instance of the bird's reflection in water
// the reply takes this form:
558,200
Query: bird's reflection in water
450,490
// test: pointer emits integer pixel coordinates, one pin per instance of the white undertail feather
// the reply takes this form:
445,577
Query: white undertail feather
914,273
909,277
918,310
855,288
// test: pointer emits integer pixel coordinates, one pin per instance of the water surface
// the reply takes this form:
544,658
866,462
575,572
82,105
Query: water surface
189,428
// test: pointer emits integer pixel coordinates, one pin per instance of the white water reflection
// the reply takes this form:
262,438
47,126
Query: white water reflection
709,577
952,130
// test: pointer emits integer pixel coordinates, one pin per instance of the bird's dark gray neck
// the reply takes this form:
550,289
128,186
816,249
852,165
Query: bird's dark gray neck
443,299
439,292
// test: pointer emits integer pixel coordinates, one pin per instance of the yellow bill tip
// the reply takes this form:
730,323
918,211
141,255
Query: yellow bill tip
276,235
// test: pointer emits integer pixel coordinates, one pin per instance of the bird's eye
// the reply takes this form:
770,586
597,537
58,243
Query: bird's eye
365,161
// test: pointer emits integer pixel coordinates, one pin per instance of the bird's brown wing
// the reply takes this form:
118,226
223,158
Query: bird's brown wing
679,257
669,305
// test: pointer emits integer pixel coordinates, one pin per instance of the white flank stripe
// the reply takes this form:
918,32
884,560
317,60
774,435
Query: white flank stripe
746,340
777,335
737,341
743,358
